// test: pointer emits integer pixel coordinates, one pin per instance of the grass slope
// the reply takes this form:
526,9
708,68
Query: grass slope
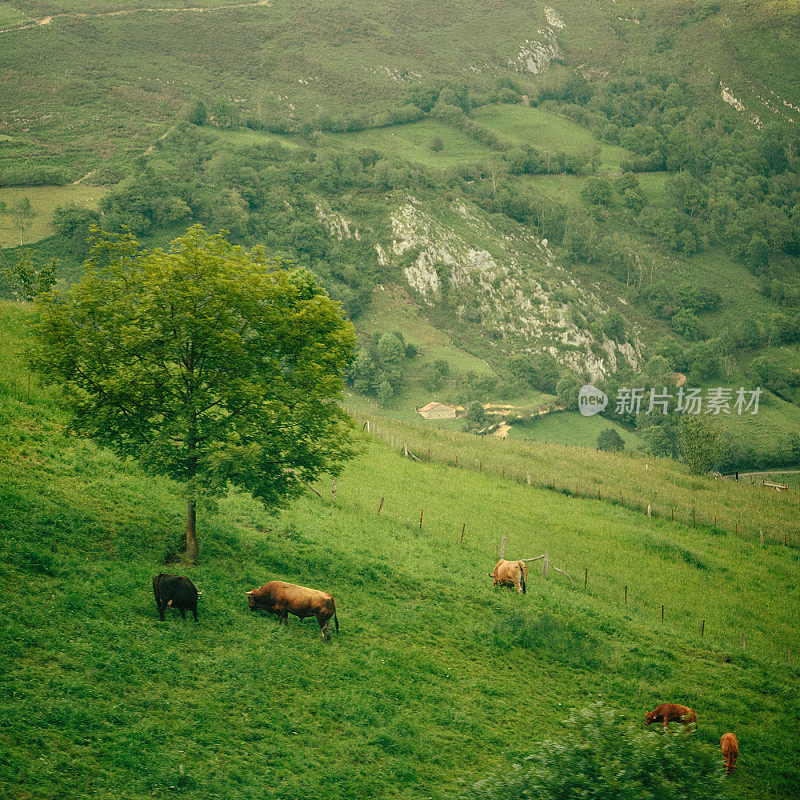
44,200
435,676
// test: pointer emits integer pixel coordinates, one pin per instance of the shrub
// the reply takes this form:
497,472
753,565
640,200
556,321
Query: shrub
610,440
604,758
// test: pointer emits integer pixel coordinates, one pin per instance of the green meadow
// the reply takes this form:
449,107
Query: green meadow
548,132
435,679
412,143
569,427
44,200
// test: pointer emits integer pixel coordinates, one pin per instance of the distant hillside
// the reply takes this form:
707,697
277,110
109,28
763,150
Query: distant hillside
561,193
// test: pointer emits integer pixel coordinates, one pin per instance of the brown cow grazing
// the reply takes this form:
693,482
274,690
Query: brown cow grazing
510,573
175,591
670,712
730,751
281,598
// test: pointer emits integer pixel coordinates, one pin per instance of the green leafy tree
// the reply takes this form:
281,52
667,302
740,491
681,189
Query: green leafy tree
29,280
362,372
206,363
567,390
793,442
603,757
197,113
74,227
475,419
539,370
700,444
610,440
385,392
22,215
614,326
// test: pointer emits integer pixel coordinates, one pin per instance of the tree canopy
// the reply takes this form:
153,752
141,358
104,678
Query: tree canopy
206,363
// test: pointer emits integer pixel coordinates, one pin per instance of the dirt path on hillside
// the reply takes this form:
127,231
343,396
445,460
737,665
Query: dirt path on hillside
40,21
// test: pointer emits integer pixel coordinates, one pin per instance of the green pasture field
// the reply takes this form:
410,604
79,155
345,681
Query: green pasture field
570,427
667,486
434,678
768,430
9,15
548,132
412,143
44,200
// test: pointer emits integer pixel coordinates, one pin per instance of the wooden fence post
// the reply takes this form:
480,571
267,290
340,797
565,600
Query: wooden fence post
586,578
662,612
694,521
544,564
788,653
420,519
380,507
761,534
334,487
626,594
703,628
672,514
463,528
503,546
529,479
504,472
742,640
649,510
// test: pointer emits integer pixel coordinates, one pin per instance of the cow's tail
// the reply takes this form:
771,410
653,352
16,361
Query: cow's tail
522,576
336,621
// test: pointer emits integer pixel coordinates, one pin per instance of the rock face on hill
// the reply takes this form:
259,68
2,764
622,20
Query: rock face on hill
508,287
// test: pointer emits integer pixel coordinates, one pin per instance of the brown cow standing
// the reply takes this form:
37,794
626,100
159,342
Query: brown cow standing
510,573
670,712
282,599
730,751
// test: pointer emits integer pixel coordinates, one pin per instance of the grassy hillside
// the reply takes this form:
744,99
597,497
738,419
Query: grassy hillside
44,200
435,677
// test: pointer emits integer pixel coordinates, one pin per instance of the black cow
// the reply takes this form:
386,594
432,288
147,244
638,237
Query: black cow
175,591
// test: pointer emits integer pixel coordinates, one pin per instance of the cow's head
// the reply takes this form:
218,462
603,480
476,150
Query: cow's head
251,601
649,717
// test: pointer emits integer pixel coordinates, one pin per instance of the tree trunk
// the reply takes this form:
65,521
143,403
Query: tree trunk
192,547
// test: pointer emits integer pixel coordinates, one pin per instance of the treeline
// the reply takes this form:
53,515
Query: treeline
737,186
262,193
